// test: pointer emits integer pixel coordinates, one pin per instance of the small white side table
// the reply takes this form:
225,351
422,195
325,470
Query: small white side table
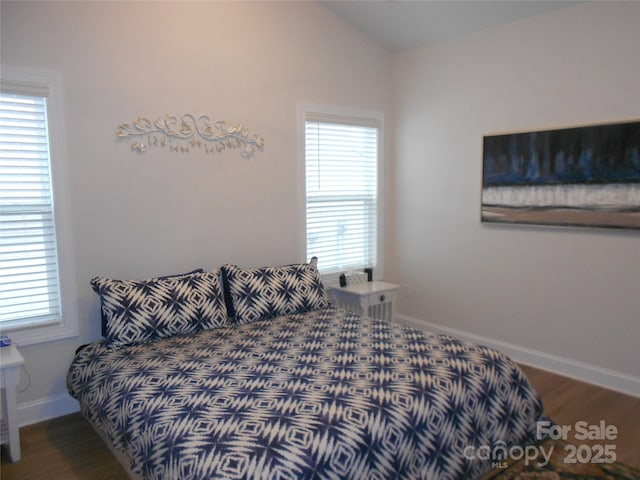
372,299
10,362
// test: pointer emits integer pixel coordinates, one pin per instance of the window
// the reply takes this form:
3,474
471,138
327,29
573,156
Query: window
33,306
342,191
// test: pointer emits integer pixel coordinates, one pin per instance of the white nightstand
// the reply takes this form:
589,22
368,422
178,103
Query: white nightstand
372,299
10,362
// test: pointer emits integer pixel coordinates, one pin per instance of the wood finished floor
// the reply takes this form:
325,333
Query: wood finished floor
67,448
568,401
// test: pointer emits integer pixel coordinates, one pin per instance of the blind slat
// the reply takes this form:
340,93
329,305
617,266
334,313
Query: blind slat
341,162
29,286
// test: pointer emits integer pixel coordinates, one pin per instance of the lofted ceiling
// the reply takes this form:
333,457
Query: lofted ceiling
402,24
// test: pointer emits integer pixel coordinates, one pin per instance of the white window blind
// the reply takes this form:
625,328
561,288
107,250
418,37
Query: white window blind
341,165
29,284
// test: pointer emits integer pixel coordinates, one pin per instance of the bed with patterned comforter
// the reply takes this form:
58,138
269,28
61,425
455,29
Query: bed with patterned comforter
325,394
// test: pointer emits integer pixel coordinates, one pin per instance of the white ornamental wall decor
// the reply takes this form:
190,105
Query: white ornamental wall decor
189,132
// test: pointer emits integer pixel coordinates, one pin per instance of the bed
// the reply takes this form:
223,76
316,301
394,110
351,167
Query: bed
287,386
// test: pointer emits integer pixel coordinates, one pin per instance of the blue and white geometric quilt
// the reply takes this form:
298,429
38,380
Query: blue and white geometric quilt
320,395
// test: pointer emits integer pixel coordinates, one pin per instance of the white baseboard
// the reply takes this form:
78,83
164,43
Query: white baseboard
45,409
611,379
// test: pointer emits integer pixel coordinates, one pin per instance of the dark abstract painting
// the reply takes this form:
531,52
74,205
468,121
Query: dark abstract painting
582,176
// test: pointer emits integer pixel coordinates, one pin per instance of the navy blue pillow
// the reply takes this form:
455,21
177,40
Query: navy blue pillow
138,311
103,317
258,293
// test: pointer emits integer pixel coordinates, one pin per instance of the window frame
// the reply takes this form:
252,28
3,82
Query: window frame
25,81
348,116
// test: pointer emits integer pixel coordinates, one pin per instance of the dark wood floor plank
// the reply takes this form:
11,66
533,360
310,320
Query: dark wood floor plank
63,448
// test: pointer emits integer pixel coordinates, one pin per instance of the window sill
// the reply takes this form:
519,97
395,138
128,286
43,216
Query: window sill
41,334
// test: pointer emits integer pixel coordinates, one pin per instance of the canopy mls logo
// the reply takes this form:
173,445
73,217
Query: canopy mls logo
501,455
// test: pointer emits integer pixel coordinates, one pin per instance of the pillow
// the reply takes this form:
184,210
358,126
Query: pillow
138,311
104,316
259,293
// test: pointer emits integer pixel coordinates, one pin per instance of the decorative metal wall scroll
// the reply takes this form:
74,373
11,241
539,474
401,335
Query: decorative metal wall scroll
181,135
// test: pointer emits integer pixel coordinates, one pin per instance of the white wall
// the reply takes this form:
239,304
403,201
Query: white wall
141,215
568,292
572,294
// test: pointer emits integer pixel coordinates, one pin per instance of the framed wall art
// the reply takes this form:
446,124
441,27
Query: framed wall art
579,176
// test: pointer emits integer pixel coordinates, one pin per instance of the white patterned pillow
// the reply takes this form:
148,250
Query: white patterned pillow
104,315
259,293
137,311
